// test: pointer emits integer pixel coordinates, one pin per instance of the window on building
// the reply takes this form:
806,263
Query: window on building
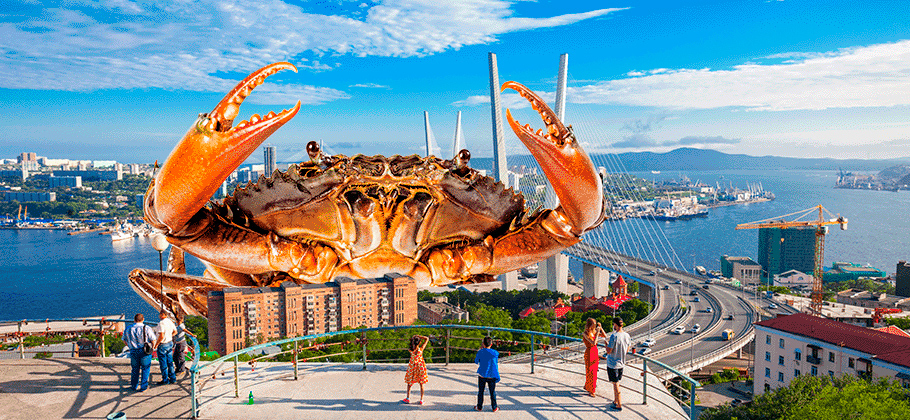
851,362
767,387
767,339
781,343
797,354
780,360
768,356
767,372
831,373
831,356
796,372
780,376
814,371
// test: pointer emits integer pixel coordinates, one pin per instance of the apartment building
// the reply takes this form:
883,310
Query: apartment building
801,344
239,316
439,309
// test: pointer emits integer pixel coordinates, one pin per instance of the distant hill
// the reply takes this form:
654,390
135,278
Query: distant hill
687,158
701,159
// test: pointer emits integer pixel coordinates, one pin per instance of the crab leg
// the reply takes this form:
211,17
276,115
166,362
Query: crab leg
177,293
569,170
209,152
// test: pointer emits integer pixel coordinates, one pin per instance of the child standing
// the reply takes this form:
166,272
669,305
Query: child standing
487,373
417,368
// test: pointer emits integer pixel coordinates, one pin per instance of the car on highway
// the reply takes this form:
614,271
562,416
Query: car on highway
645,350
649,342
696,299
730,317
693,293
772,306
652,273
709,310
677,282
666,287
679,330
696,328
705,287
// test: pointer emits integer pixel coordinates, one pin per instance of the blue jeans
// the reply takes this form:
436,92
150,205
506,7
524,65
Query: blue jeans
140,363
166,362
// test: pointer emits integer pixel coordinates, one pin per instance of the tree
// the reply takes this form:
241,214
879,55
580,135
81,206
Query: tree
812,397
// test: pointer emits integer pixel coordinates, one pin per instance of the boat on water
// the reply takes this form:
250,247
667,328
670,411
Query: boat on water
655,172
119,235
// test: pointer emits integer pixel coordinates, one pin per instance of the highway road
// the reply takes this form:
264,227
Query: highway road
710,307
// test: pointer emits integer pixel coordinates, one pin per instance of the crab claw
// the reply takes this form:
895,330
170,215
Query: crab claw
568,168
212,149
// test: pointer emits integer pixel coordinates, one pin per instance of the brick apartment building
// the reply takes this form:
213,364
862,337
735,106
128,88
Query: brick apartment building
239,314
800,344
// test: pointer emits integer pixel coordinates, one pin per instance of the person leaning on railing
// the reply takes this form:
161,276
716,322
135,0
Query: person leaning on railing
180,346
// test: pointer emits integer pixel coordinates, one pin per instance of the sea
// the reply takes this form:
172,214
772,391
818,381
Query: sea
49,274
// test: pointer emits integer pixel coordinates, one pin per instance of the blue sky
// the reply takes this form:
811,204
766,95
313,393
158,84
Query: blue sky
124,79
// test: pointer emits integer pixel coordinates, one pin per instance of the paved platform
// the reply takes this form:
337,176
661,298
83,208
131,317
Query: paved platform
93,388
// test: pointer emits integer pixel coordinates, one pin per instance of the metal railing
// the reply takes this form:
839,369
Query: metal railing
104,325
357,342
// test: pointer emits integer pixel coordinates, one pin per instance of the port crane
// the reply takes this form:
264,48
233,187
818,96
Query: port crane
821,229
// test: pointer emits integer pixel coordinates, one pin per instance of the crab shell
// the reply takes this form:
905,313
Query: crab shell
438,221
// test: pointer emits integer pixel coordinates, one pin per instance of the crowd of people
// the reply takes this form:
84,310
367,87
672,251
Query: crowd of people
167,341
487,359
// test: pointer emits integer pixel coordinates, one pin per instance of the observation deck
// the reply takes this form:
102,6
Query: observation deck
94,388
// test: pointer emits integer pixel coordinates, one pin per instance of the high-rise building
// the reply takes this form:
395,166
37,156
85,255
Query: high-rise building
239,316
782,250
269,159
902,279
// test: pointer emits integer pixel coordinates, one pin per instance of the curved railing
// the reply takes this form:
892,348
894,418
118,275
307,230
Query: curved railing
539,346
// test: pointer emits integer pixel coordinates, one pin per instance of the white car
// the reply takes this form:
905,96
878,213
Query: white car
649,342
709,310
645,350
696,328
772,306
679,329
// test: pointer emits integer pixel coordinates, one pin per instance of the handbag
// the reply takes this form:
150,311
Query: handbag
146,346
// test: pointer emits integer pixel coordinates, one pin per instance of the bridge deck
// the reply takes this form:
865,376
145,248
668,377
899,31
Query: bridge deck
86,388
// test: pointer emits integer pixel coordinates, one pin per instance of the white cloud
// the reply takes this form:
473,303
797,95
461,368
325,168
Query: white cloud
509,100
871,76
370,86
202,44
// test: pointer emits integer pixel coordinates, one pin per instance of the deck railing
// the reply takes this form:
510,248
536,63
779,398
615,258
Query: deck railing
356,342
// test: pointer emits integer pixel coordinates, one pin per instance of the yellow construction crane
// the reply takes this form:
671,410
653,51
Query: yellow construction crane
821,228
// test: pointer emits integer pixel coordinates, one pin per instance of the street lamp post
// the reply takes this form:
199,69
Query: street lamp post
159,242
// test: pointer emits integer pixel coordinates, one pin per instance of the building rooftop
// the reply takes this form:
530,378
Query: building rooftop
741,260
881,345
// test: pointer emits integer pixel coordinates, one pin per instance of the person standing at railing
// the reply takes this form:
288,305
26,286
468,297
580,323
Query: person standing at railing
417,367
165,347
617,347
180,346
487,373
592,332
135,338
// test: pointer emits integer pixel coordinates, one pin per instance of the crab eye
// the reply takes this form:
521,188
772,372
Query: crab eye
203,124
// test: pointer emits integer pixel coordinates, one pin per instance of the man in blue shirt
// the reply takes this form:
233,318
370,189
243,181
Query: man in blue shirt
135,338
487,372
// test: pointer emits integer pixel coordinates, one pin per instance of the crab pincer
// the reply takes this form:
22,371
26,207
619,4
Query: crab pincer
569,170
209,151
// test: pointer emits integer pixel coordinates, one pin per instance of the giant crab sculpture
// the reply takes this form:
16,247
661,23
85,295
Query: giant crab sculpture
437,221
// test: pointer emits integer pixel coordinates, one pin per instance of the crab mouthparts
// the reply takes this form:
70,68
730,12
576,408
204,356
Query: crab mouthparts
222,117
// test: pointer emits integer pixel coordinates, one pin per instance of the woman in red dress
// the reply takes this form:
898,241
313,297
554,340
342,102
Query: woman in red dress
592,331
417,368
